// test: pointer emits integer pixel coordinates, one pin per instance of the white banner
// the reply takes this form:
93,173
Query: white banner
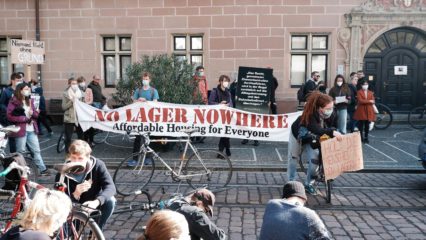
166,119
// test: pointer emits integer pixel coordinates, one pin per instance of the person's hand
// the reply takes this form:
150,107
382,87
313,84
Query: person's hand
142,99
92,204
31,112
372,101
338,135
81,188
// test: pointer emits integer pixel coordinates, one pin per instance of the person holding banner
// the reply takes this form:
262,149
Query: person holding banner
318,118
143,94
88,99
72,93
222,95
21,112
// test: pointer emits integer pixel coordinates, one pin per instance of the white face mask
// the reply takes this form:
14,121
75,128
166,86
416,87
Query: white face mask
145,82
339,84
82,84
26,93
365,87
225,84
74,87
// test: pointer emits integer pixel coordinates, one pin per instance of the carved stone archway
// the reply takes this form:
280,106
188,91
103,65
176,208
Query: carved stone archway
371,19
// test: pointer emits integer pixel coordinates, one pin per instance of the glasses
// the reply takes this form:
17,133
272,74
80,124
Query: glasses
317,76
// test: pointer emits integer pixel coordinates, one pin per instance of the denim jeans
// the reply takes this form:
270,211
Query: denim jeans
293,156
342,115
313,159
106,211
30,139
97,105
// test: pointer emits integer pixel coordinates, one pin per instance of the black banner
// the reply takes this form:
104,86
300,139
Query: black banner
253,89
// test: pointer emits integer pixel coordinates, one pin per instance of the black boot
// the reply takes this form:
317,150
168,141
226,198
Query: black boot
228,152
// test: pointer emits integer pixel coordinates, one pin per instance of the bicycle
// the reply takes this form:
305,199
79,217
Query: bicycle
417,117
384,117
79,225
201,169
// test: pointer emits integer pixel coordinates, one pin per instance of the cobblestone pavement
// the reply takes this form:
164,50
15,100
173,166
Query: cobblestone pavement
364,205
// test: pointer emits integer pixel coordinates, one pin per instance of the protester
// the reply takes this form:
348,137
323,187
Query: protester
273,102
143,94
201,89
22,113
72,93
88,99
99,100
221,95
311,84
342,97
364,112
195,208
352,105
288,218
47,212
37,90
166,225
93,187
321,87
318,118
360,75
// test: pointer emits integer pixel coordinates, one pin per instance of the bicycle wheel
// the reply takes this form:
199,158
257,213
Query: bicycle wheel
100,136
80,226
7,203
328,186
128,179
384,118
34,172
211,169
60,146
417,118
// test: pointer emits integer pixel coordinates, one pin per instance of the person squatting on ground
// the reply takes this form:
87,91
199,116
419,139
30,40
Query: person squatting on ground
288,218
143,94
222,95
318,118
72,93
364,112
166,225
195,208
22,113
47,212
340,91
93,187
37,90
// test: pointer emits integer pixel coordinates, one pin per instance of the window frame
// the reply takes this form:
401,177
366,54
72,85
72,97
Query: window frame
189,52
10,66
117,53
310,52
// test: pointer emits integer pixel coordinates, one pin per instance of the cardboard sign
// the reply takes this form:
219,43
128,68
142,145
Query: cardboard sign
342,156
254,89
27,52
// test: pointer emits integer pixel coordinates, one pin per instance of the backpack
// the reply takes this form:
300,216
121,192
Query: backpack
301,93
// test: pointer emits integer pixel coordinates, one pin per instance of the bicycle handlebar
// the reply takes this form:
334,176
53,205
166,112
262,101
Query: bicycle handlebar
23,169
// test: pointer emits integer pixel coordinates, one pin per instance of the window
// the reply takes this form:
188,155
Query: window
309,52
6,68
117,56
189,48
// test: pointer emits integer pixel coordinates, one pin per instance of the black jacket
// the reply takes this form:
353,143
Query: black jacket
310,86
200,225
329,124
20,234
103,187
337,91
273,89
97,92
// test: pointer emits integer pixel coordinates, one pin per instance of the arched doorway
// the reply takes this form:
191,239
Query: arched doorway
395,64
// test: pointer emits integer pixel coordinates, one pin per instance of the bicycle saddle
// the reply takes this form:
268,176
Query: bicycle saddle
9,129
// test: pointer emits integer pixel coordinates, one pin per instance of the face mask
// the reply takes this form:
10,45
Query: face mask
200,74
145,82
327,113
17,83
339,84
74,87
33,88
365,87
225,84
26,93
82,84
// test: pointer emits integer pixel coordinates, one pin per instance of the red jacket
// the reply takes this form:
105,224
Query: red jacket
364,109
21,121
201,88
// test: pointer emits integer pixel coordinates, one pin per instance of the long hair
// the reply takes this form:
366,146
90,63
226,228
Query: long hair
345,87
19,95
315,101
165,225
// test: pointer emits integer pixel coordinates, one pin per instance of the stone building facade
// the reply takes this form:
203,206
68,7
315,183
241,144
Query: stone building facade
294,37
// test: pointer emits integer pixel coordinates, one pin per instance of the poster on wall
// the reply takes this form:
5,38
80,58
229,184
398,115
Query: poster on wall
253,89
401,70
27,51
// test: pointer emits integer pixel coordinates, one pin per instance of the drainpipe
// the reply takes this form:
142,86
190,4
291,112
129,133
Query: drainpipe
37,35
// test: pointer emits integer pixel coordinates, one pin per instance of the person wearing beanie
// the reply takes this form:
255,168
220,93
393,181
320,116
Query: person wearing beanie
288,218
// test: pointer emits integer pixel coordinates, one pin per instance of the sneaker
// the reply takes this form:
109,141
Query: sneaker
256,143
148,161
50,134
245,141
132,163
311,189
